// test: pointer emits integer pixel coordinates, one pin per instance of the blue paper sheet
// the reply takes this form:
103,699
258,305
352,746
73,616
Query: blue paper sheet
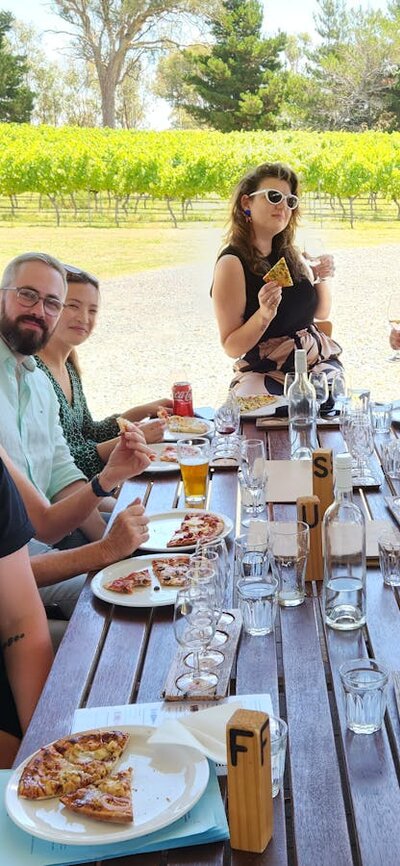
206,822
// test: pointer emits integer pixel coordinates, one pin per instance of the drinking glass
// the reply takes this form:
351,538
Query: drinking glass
253,475
290,545
393,314
193,459
361,445
203,572
289,379
194,627
219,546
227,417
258,601
320,383
389,557
364,683
339,388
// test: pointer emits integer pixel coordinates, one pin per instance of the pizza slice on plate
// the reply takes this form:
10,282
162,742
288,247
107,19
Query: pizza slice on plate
127,584
281,273
169,454
186,424
196,527
255,401
109,800
171,570
71,763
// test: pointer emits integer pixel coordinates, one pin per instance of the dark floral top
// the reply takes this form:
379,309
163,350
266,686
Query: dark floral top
80,430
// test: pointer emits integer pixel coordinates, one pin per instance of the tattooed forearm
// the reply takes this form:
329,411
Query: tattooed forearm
7,643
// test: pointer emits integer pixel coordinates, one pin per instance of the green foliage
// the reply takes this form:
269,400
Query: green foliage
239,84
16,99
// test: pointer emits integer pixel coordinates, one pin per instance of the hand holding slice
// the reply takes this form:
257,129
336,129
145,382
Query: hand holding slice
109,800
280,272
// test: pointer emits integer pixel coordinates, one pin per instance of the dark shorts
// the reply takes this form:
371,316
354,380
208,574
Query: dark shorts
9,721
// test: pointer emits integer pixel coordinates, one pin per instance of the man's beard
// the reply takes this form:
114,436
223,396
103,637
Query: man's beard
22,341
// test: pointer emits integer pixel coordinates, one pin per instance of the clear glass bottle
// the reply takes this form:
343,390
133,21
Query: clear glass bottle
344,587
302,411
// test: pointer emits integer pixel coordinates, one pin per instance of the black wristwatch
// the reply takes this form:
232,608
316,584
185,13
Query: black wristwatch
98,490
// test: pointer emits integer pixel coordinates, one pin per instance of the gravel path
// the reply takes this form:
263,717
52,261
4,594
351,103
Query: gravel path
157,326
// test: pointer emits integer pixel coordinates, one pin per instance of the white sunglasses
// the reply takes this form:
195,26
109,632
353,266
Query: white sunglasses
275,196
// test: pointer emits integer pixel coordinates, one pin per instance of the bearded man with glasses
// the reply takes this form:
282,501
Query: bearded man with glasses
32,294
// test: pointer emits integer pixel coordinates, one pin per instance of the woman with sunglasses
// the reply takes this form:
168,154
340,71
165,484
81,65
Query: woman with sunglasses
90,442
260,323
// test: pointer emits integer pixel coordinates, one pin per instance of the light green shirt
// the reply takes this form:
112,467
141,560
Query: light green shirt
30,430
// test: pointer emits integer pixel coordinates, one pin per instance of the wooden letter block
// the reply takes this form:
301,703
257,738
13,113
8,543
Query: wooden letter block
250,807
308,510
323,477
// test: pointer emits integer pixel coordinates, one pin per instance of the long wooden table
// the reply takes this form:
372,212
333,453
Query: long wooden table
341,804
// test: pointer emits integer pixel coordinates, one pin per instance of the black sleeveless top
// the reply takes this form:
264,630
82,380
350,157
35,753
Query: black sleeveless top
296,309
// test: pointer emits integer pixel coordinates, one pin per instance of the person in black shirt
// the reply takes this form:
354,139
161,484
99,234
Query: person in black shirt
260,323
25,646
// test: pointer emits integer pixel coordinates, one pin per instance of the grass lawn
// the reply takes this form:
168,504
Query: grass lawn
111,252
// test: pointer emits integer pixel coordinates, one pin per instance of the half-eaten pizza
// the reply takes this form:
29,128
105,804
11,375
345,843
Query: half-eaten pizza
129,582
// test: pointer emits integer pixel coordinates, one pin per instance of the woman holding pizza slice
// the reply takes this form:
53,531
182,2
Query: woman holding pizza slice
262,323
90,442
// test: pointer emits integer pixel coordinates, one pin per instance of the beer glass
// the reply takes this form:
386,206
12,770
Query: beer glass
193,459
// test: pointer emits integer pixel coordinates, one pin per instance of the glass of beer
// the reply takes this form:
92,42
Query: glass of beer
194,458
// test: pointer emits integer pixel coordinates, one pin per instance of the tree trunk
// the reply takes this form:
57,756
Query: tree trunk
107,88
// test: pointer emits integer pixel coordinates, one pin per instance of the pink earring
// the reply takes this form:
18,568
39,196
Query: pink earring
247,214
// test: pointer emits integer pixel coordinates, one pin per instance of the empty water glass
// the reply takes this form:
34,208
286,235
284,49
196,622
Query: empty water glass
258,600
278,734
389,557
381,415
364,682
290,545
390,457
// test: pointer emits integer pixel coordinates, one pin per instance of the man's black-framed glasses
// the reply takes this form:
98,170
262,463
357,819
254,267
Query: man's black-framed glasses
29,297
275,196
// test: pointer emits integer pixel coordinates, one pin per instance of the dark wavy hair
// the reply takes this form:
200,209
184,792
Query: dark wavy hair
240,232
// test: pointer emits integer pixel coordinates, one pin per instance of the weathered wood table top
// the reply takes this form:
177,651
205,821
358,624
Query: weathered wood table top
341,805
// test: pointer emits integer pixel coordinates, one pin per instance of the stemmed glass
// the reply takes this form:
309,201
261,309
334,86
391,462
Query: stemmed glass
320,383
254,471
207,549
204,571
289,379
194,627
339,388
361,446
227,425
394,320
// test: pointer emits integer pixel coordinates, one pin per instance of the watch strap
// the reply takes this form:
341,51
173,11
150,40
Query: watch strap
98,490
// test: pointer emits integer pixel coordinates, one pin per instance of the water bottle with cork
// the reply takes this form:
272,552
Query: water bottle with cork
344,587
302,411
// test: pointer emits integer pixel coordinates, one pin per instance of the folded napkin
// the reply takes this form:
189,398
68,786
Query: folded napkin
203,730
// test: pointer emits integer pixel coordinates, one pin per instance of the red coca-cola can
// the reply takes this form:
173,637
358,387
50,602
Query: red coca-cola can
183,398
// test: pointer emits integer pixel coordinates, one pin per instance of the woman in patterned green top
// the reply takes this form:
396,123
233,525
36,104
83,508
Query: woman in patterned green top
90,442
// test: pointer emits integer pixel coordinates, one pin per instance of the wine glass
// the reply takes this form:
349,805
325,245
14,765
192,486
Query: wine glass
227,425
289,379
320,383
204,571
206,549
339,388
194,627
393,314
361,446
254,471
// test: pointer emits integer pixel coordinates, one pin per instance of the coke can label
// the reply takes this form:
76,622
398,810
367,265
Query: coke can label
183,399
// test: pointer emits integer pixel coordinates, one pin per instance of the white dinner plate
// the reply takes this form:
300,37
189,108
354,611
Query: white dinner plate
264,411
173,437
167,782
143,596
159,466
162,527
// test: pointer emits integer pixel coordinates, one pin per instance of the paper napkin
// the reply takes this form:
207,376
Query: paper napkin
204,730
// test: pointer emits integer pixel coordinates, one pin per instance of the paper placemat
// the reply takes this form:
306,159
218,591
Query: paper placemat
288,479
205,823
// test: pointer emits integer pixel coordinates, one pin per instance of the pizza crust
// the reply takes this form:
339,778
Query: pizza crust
110,800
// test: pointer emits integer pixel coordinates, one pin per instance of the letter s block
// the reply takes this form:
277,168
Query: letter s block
323,477
250,808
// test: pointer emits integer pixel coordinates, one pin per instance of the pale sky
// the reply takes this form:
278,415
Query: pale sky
290,16
287,15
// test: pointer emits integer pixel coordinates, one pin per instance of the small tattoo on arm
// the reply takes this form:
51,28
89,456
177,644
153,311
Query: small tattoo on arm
7,643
